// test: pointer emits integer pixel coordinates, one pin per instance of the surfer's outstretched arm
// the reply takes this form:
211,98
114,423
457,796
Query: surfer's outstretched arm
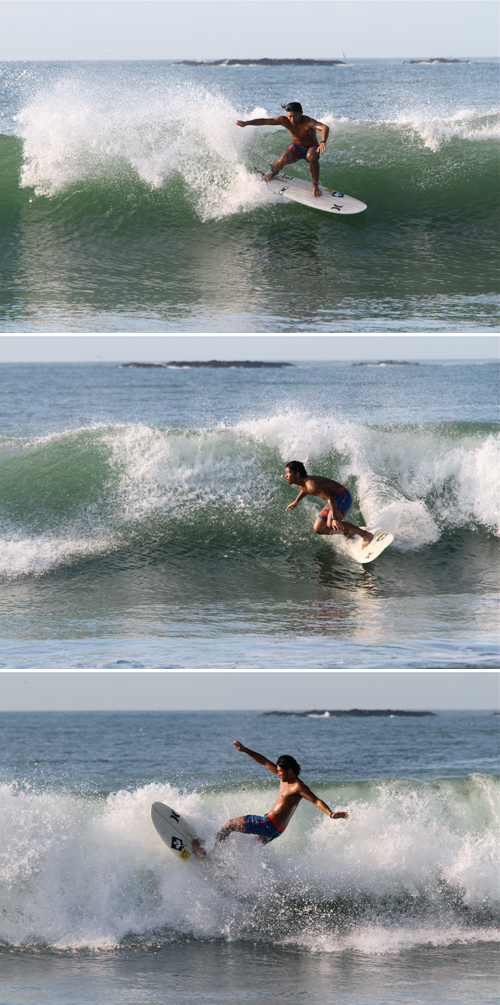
266,763
306,793
279,121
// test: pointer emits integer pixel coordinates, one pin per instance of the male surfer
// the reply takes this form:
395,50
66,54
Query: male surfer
305,142
291,791
331,518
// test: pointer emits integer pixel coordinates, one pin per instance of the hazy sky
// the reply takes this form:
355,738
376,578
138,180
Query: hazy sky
263,691
214,29
148,348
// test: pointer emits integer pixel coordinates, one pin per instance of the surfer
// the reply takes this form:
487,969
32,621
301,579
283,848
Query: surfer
304,140
292,789
338,499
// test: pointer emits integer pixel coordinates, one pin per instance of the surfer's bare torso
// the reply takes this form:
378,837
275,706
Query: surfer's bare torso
292,789
288,799
328,489
304,145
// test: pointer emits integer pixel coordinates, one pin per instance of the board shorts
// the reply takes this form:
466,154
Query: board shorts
301,152
343,502
264,827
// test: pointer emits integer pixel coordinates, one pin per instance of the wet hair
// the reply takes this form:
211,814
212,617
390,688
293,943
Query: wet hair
298,467
286,762
293,106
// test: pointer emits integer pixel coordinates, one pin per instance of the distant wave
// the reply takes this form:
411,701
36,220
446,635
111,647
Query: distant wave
130,489
416,864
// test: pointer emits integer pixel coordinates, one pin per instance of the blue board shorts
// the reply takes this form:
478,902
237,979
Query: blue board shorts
264,827
343,502
299,152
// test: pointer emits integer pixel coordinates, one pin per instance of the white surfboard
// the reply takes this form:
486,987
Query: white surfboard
175,832
380,540
300,190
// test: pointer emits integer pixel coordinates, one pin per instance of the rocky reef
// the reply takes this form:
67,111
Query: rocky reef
260,62
437,59
352,713
211,364
388,362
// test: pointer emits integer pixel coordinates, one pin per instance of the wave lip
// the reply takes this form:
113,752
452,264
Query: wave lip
466,124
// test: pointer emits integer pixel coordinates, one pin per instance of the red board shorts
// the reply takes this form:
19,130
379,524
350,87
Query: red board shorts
343,502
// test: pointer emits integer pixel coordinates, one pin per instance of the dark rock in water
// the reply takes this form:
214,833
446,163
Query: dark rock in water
260,62
212,364
388,362
352,713
228,364
437,59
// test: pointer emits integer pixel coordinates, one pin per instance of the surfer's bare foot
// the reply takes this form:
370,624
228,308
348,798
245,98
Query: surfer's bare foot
316,190
367,537
198,850
268,176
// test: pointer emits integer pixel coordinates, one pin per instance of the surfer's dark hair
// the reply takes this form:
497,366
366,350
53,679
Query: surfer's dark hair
298,467
286,762
293,106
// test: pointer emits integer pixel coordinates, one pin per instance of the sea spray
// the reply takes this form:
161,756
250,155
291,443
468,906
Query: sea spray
77,132
415,863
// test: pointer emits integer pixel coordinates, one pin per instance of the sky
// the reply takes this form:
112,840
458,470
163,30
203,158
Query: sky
257,690
153,348
246,29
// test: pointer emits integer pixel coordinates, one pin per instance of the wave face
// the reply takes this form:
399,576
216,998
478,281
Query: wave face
134,492
104,161
416,865
180,140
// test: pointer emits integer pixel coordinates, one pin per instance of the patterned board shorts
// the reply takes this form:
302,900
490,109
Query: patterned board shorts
343,502
264,827
299,152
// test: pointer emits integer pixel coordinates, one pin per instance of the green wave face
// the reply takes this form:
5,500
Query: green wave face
402,170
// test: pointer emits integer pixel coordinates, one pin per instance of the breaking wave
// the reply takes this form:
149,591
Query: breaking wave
130,490
90,871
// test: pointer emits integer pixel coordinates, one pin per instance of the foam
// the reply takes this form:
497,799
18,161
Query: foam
77,132
415,480
465,124
88,871
22,554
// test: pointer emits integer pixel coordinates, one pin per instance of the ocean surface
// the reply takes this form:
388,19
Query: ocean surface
143,516
129,200
398,905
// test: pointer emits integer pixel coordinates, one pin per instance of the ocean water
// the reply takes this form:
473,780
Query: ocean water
129,200
398,905
143,517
